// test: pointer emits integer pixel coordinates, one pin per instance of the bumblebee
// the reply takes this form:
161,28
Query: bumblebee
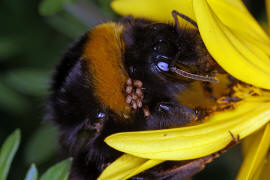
130,75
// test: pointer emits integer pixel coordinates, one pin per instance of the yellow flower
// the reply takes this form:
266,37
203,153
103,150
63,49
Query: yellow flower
242,48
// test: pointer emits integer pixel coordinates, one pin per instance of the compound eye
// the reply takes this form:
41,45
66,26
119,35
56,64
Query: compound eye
162,63
163,66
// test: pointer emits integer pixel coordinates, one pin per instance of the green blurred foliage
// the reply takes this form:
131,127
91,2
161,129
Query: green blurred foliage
32,173
41,140
7,153
59,171
33,37
50,7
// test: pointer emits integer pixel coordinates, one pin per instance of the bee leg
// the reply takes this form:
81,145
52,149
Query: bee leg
175,170
186,170
169,115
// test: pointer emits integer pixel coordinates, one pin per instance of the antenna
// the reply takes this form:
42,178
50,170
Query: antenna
176,13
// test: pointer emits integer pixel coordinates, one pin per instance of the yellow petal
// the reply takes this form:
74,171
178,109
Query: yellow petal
265,173
245,146
147,165
267,4
127,166
256,154
234,53
257,175
158,10
121,167
195,141
235,15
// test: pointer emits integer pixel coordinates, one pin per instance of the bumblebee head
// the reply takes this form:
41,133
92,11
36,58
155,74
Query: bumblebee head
166,51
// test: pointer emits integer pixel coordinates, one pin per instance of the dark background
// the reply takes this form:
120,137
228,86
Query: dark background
33,37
